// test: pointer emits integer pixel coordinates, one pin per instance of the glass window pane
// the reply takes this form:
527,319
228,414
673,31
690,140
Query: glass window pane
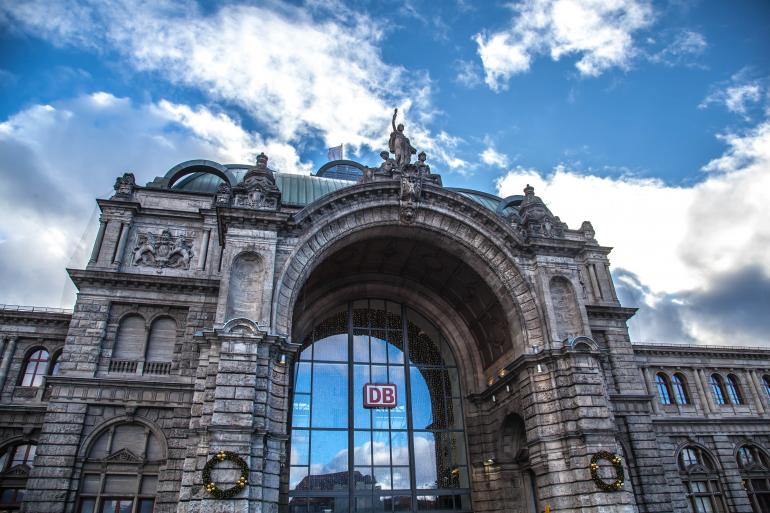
395,346
87,506
329,460
328,504
377,313
362,417
298,478
300,413
382,479
362,452
399,447
425,463
333,348
300,446
146,505
330,395
379,346
360,347
109,506
401,478
381,447
297,505
302,378
424,402
363,478
398,414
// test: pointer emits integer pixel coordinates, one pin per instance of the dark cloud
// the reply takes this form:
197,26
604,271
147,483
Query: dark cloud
732,310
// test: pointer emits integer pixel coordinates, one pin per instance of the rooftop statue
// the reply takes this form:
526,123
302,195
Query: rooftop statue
399,144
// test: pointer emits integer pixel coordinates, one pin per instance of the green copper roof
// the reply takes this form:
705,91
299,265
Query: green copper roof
300,190
296,190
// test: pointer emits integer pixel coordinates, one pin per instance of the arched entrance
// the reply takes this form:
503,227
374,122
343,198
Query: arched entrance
357,447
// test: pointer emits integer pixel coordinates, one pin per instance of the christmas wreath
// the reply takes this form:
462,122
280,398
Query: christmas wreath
617,484
227,493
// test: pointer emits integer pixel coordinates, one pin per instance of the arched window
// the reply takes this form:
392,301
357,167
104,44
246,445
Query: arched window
120,471
680,389
35,367
766,383
352,455
160,347
15,464
718,389
54,367
664,391
701,480
755,471
129,341
734,390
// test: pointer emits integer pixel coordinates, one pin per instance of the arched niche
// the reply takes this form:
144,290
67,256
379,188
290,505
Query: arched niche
244,295
567,320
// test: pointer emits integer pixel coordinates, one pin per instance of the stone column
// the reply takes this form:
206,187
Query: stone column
652,389
57,449
753,380
124,228
98,244
10,349
204,250
703,399
707,390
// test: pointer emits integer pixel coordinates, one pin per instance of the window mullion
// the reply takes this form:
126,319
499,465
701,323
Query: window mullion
408,392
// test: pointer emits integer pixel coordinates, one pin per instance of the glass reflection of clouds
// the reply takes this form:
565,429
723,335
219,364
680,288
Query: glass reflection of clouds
393,453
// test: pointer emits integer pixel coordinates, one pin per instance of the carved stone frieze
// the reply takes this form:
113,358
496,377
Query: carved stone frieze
411,190
163,250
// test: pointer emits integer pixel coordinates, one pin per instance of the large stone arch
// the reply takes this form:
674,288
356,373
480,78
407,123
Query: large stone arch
446,219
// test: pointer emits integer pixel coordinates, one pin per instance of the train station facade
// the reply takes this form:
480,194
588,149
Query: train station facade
363,339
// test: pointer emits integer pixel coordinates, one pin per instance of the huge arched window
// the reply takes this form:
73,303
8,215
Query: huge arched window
35,367
734,390
664,391
701,480
718,389
349,456
120,471
680,389
15,464
755,471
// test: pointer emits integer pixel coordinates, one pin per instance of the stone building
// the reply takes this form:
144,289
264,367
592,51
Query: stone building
238,311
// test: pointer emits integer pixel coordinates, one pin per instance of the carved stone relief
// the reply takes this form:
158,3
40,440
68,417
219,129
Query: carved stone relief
163,250
565,308
244,297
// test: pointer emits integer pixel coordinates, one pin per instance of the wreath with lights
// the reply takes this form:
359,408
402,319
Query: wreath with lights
226,493
613,458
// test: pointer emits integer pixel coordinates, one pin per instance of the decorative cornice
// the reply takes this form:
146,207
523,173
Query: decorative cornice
35,316
679,350
610,312
84,278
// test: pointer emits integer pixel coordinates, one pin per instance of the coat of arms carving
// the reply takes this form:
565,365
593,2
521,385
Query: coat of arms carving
164,250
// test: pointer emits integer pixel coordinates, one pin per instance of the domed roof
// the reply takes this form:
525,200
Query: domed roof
299,190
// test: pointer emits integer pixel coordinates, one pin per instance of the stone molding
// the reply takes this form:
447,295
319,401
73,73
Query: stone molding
124,280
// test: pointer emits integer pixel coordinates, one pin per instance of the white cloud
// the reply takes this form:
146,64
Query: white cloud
295,72
686,46
468,73
55,159
676,240
492,157
737,94
600,32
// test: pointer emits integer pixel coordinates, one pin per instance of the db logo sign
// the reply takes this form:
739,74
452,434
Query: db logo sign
379,395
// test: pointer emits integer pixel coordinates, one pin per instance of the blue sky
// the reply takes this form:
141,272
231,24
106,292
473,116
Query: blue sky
648,118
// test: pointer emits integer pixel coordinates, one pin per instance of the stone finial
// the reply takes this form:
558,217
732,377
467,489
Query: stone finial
124,185
529,191
262,160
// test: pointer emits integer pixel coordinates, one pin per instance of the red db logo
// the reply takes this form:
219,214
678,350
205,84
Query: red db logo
379,395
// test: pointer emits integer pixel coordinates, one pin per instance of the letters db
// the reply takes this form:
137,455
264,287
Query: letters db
380,395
